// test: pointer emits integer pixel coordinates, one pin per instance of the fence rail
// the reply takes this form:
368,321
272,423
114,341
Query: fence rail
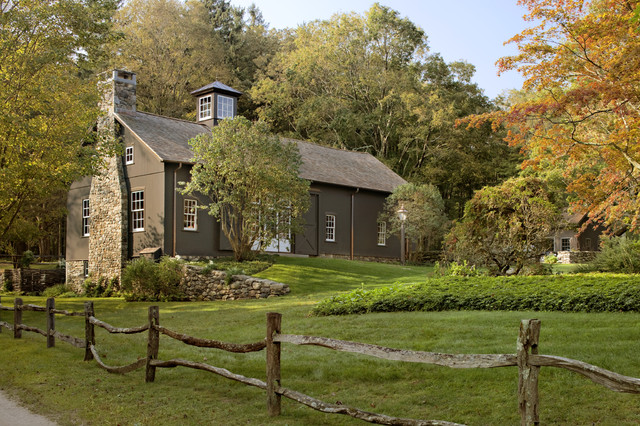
527,359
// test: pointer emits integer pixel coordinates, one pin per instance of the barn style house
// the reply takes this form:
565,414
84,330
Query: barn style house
134,207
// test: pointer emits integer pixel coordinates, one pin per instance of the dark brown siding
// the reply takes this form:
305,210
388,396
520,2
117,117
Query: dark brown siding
146,173
337,201
77,247
202,242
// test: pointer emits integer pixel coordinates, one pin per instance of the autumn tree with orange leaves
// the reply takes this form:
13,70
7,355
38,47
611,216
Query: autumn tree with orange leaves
581,112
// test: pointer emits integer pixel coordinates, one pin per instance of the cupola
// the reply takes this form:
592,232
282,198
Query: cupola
214,102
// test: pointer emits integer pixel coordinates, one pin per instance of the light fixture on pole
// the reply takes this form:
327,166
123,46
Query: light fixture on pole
402,215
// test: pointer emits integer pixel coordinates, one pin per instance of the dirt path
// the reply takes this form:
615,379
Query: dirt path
12,414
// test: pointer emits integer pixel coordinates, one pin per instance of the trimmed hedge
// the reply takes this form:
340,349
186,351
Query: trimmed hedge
567,293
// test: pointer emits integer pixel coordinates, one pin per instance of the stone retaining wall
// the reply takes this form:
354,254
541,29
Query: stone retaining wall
31,280
567,257
212,286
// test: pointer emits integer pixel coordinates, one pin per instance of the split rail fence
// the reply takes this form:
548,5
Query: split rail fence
527,359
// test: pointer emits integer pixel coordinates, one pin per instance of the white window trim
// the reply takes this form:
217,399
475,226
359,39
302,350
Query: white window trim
330,228
200,103
85,268
137,212
187,213
382,233
86,215
128,155
219,111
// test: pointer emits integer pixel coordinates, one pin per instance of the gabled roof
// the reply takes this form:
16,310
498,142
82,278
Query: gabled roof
169,139
346,168
217,86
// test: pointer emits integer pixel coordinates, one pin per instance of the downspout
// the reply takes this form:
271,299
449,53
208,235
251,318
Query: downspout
353,202
175,208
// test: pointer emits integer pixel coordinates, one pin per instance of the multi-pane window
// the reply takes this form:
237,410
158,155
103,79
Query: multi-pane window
587,244
330,227
565,244
137,210
190,215
128,155
204,109
85,268
382,233
85,217
225,107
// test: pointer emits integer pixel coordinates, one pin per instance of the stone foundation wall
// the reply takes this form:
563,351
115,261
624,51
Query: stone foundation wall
212,286
567,257
75,274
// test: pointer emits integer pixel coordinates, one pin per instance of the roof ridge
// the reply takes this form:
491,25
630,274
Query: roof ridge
171,118
330,147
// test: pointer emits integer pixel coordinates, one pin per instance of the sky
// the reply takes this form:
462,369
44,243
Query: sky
469,30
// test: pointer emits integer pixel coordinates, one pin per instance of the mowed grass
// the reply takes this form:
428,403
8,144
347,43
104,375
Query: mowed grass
56,382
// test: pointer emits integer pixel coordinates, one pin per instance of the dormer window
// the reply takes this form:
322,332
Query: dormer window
204,107
225,106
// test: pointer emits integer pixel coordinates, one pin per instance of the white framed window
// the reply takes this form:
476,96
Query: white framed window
382,233
204,107
225,106
85,217
128,155
85,268
137,210
190,215
565,244
330,227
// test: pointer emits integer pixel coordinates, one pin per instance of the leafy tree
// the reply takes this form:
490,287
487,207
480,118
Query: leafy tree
582,115
506,227
343,81
172,47
366,82
48,96
252,180
426,221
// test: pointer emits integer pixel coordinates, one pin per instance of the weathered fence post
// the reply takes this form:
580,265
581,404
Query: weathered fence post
153,344
17,318
527,373
51,322
274,322
89,332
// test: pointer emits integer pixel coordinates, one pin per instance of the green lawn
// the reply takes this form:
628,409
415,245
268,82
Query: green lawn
58,383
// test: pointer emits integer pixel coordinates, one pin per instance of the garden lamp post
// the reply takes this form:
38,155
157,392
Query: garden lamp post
402,215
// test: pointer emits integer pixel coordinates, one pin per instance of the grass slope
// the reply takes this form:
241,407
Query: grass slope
56,382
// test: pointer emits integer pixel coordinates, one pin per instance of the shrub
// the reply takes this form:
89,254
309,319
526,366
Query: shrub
103,287
58,291
143,279
580,292
27,259
618,254
8,285
550,259
455,269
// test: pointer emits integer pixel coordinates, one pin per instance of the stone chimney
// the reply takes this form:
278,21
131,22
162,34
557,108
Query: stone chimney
119,93
108,197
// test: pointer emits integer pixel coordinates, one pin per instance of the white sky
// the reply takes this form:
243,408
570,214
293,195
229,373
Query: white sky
470,30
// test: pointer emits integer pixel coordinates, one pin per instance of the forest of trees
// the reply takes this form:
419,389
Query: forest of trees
365,82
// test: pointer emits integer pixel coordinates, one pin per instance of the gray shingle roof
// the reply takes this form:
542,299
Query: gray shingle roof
169,139
216,85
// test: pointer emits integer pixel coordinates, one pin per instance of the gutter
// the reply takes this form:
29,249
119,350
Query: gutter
175,208
353,204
